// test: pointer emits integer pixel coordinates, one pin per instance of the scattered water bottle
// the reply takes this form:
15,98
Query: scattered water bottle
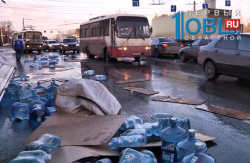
54,56
37,116
100,77
40,89
25,78
131,132
46,143
127,141
171,136
37,103
34,96
37,156
50,110
89,72
158,116
36,66
45,100
151,128
13,86
184,123
20,110
54,83
198,156
7,99
113,143
52,65
17,78
132,156
51,101
28,60
50,91
105,160
130,122
187,146
21,92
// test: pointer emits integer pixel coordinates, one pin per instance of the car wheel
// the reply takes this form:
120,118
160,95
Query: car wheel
74,51
64,51
176,56
210,70
78,51
183,57
156,53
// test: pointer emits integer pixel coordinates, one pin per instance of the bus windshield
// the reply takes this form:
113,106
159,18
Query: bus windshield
33,36
133,27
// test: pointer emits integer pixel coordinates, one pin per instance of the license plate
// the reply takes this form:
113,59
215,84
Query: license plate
136,53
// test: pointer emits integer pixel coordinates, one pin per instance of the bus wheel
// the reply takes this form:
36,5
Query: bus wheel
137,59
107,55
88,53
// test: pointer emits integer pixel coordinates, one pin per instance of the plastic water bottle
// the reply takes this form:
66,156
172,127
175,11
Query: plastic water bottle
45,100
51,101
130,122
53,56
7,99
184,123
34,96
187,146
132,156
105,160
131,132
20,110
21,92
54,83
198,156
28,60
158,116
37,116
16,78
100,77
37,156
113,143
37,103
50,110
46,143
40,90
52,65
155,129
50,91
13,86
89,72
25,78
171,136
127,141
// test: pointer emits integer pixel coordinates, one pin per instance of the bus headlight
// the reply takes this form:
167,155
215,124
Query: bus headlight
123,48
77,44
147,48
27,46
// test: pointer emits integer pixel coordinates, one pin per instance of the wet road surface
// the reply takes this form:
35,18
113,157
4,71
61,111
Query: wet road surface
169,77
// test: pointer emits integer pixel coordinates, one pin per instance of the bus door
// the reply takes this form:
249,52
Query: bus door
112,53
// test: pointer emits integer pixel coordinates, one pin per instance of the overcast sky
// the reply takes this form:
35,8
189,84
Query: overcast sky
52,15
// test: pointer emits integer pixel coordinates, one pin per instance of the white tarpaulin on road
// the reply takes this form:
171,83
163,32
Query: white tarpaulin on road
84,94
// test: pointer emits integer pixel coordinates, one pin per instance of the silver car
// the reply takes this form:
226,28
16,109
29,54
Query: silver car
51,45
164,46
226,56
192,50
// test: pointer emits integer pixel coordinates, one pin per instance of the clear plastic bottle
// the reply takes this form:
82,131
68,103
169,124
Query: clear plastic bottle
28,60
50,110
46,143
187,146
171,136
37,116
13,86
100,77
51,101
105,160
25,78
113,144
132,156
45,100
198,156
184,123
40,90
36,103
127,141
52,65
158,116
20,110
130,123
17,78
89,72
21,92
34,96
53,81
36,156
7,99
50,91
134,132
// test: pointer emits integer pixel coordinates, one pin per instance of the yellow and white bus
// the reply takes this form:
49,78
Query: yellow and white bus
116,36
33,40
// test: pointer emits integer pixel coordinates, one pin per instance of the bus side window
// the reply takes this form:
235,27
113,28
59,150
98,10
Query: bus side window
89,32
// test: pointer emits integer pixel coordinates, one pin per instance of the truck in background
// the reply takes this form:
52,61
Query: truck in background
165,26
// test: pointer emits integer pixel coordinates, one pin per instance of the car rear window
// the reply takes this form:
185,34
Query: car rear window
166,40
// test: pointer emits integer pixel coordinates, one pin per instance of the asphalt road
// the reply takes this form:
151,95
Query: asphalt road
169,77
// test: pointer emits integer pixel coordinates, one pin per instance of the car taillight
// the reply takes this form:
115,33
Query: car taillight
165,45
182,45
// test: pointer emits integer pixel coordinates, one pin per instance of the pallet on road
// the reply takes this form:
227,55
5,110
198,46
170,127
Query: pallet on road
141,90
179,100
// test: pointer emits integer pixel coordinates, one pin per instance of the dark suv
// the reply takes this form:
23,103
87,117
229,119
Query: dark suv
69,44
